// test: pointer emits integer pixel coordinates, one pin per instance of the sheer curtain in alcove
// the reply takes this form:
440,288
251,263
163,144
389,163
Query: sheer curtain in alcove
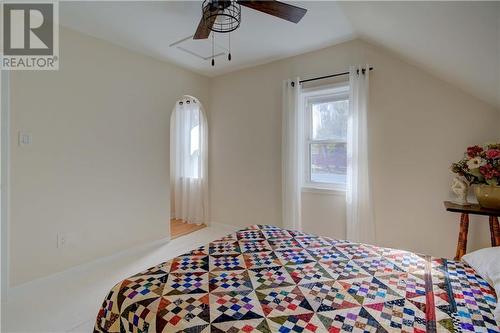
188,166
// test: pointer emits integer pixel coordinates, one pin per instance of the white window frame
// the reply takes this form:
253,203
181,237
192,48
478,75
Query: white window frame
334,92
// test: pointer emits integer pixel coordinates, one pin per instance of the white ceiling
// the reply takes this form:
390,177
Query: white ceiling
150,27
458,41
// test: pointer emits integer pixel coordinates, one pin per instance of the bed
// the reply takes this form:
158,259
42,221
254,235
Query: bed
267,279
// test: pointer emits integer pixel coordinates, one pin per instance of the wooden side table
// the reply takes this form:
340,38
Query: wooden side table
464,224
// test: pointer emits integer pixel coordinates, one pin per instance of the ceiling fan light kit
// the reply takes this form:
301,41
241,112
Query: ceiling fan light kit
221,16
224,16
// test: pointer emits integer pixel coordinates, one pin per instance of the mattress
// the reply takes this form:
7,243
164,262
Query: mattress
267,279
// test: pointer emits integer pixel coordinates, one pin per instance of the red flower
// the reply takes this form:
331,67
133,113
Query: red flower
473,151
488,171
493,153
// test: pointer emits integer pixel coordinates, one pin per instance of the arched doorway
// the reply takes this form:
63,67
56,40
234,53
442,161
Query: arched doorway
188,167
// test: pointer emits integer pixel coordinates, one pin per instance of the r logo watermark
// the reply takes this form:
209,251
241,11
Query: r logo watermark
30,36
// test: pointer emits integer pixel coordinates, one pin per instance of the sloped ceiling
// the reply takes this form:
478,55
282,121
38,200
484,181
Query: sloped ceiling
458,41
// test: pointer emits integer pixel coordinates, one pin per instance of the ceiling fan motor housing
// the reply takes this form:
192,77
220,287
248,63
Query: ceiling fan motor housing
216,5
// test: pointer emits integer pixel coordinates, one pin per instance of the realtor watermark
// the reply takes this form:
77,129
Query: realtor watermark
30,35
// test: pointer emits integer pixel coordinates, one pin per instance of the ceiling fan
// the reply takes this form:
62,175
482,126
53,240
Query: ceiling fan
224,16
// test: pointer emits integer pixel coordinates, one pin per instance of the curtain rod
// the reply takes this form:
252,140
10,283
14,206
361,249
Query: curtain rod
329,76
188,101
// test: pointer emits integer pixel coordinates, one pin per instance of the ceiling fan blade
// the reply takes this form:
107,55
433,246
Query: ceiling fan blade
276,8
203,30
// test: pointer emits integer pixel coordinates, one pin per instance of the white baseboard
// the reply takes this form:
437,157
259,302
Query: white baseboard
83,267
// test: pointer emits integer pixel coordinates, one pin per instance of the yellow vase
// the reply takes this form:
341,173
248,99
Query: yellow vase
488,196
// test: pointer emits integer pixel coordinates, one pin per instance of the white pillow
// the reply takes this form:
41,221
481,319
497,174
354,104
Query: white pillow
486,262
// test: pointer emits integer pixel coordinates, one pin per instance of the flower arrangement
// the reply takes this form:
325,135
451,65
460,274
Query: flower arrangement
480,165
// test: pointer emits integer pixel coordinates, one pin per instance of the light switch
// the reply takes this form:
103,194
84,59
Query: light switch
25,138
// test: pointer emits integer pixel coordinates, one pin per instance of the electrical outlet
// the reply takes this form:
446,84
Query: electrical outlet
61,240
25,139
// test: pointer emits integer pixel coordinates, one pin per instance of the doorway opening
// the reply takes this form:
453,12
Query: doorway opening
188,167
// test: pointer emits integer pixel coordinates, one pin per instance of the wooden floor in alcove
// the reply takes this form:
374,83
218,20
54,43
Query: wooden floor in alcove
180,228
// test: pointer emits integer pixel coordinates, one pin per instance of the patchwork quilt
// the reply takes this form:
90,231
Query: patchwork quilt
266,279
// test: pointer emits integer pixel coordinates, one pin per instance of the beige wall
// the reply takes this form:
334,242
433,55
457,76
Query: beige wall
98,166
324,213
97,170
418,125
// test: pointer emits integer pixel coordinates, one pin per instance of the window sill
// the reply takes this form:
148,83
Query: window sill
321,190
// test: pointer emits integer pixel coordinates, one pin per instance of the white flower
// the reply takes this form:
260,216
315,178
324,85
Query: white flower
475,163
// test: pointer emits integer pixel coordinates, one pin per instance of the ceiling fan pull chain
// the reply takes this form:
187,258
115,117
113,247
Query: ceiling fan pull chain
229,55
213,41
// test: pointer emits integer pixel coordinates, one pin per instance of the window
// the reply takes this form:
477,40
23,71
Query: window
326,113
194,143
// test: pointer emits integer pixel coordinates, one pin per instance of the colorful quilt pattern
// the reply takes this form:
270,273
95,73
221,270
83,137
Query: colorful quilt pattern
266,279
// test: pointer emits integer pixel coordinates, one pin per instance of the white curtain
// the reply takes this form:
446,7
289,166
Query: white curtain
291,155
360,219
188,166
